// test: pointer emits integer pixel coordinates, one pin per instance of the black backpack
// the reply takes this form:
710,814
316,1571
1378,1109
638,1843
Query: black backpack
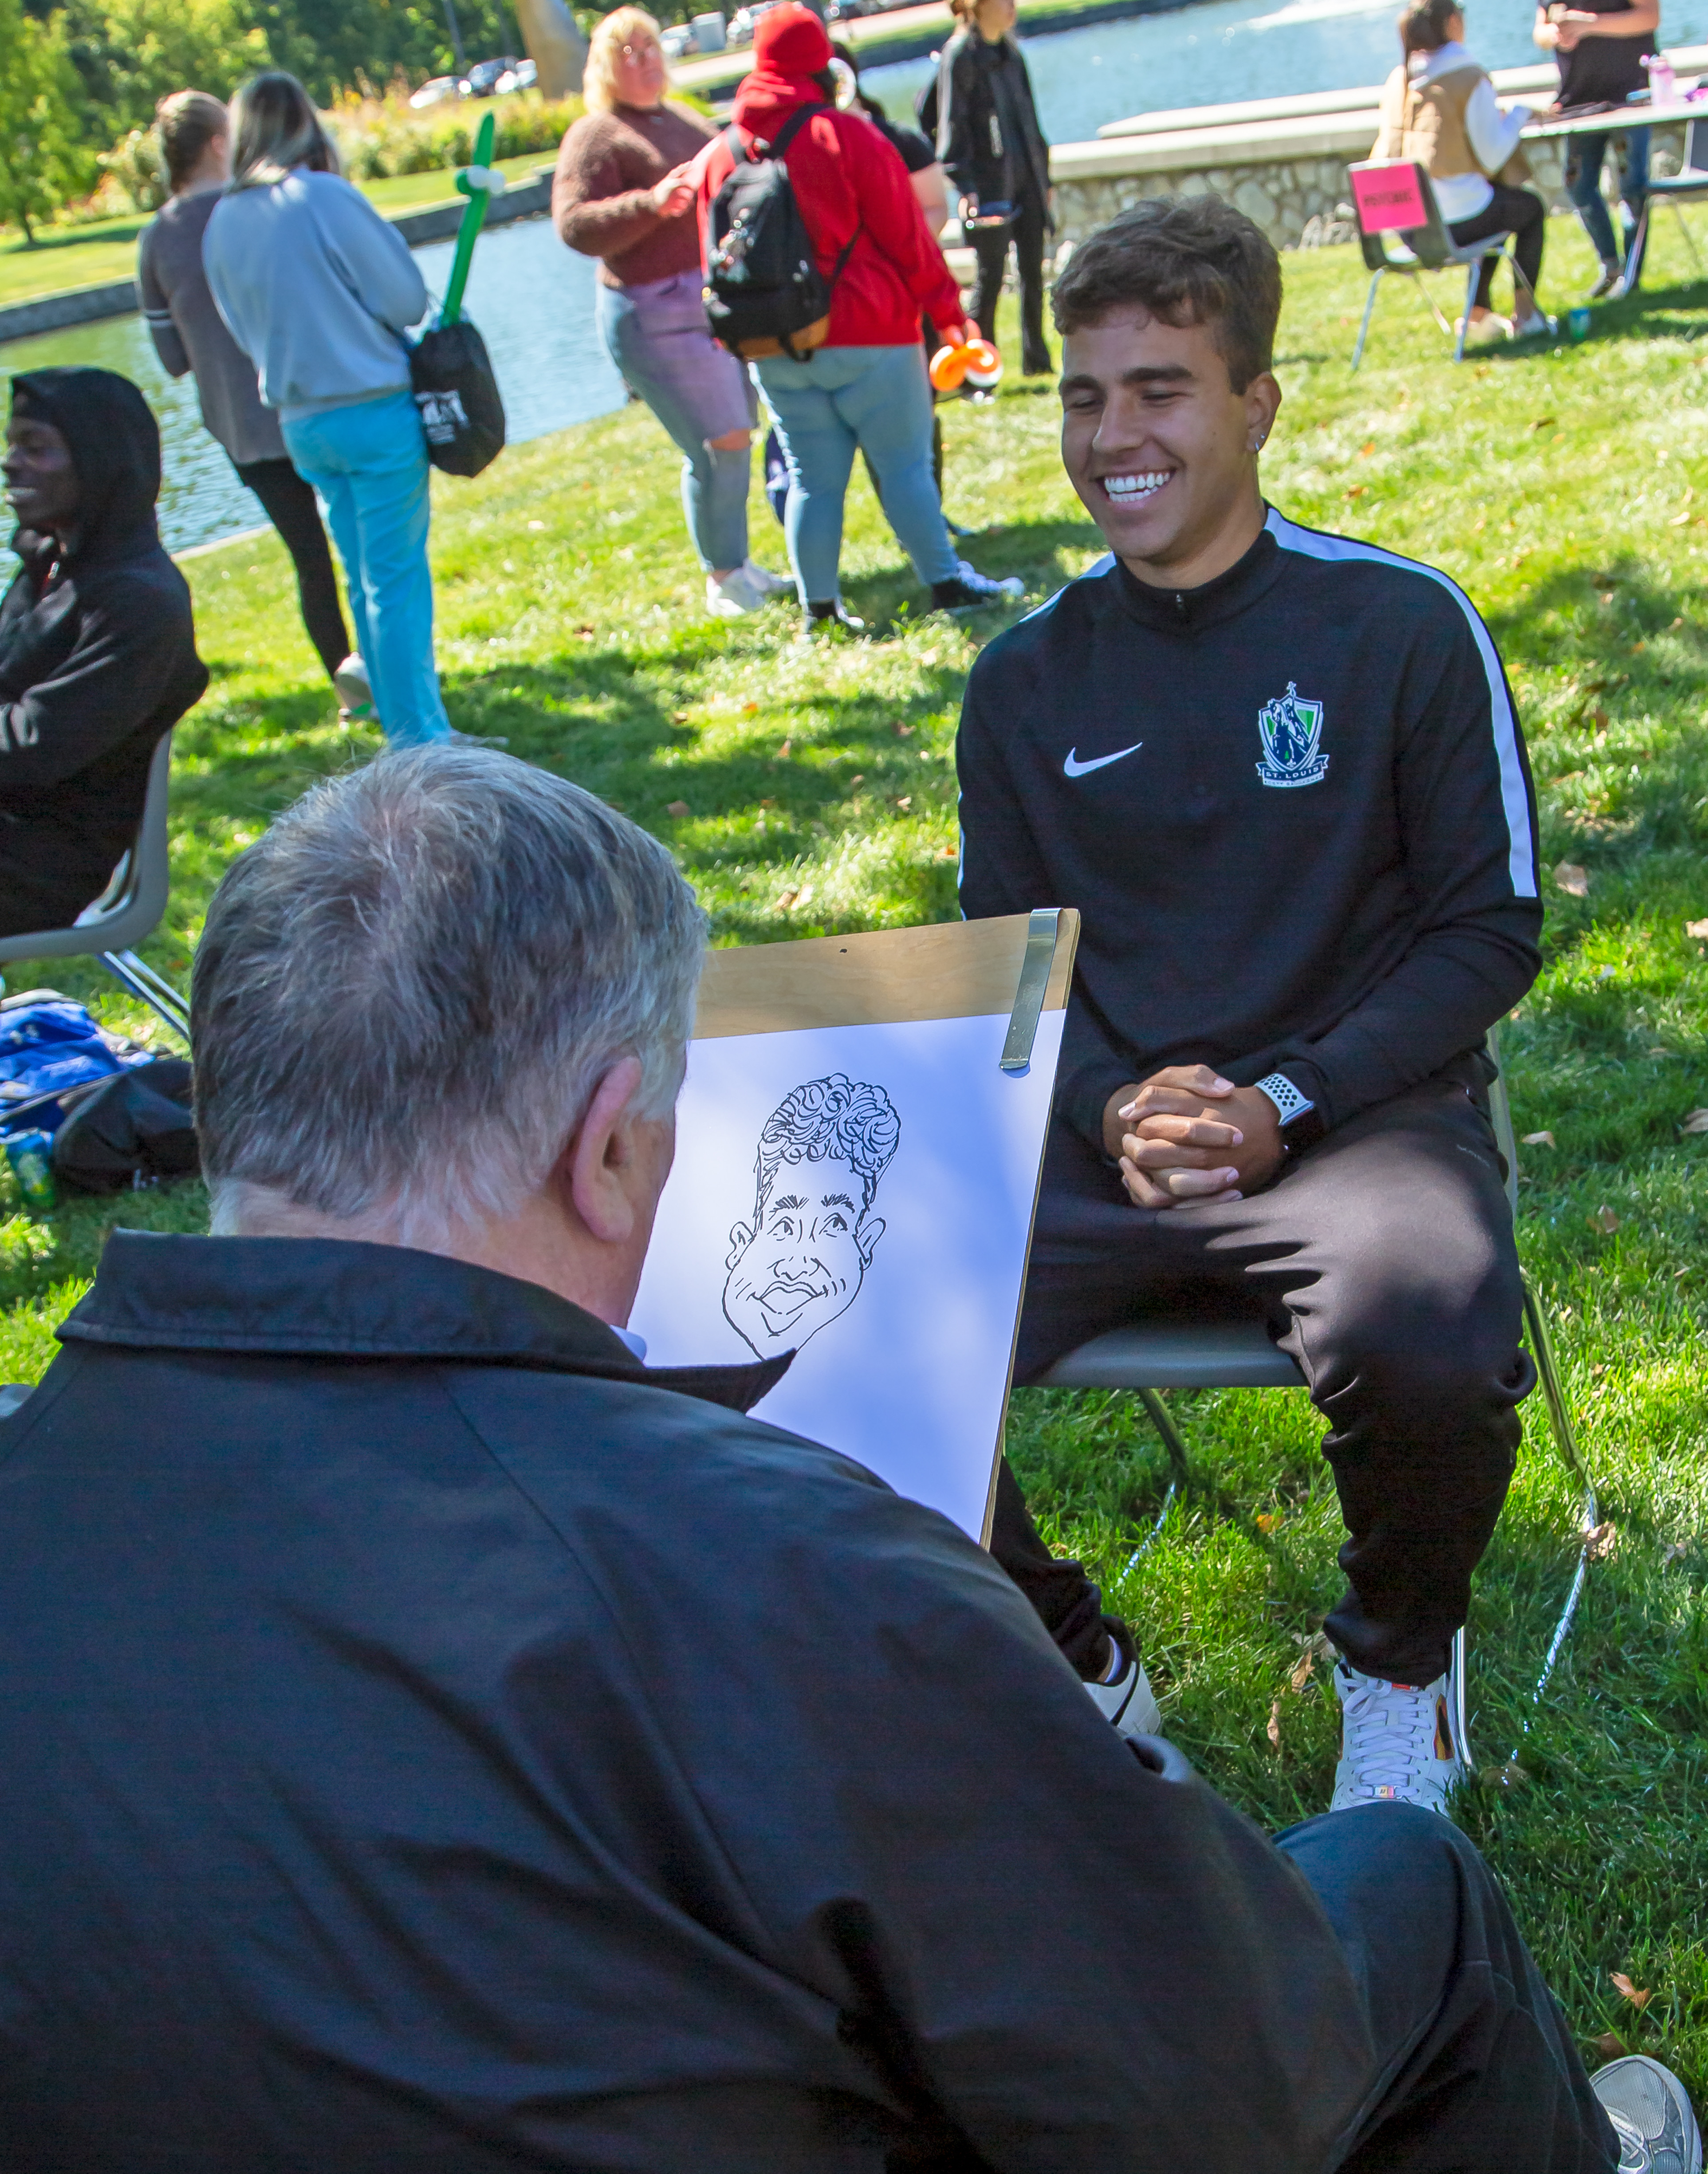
765,293
451,376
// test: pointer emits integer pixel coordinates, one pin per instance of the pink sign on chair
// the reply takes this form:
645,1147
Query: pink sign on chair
1388,198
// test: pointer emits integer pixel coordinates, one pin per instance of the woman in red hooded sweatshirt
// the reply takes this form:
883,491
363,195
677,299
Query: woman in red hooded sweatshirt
866,389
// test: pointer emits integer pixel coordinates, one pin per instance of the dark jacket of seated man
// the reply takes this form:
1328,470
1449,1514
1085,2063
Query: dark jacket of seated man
433,1740
97,650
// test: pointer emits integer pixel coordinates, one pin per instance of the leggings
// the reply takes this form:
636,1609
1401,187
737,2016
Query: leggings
1516,212
289,504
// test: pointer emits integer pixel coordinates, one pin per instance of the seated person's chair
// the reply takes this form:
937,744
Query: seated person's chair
1193,1352
126,911
1401,229
1691,180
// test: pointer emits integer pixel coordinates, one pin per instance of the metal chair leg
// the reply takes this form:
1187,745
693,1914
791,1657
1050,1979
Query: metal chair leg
1430,304
1471,271
1162,1422
1455,1676
1358,351
1689,238
1633,254
136,975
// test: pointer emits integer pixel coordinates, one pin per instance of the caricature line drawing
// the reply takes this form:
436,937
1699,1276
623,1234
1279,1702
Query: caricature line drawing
800,1263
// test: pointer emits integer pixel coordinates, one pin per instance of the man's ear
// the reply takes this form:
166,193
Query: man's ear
866,1233
1263,401
740,1238
599,1165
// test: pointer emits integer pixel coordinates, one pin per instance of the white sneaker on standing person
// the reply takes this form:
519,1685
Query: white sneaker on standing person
621,194
318,291
866,389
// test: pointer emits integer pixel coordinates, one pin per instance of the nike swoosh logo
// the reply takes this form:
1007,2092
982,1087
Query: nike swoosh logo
1073,767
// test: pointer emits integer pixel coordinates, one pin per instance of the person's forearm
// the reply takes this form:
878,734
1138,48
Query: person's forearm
605,226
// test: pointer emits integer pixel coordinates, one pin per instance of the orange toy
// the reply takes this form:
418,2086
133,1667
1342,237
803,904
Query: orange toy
977,362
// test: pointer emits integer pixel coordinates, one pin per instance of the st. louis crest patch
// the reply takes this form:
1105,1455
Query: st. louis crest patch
1292,731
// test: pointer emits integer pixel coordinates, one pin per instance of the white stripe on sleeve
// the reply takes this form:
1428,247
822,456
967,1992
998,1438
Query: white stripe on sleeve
1314,543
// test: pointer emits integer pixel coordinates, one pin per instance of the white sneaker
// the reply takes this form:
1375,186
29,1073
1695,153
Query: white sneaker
735,595
1397,1742
765,582
1651,2115
351,683
1129,1704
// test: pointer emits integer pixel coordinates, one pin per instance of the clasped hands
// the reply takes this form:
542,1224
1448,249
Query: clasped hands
1187,1138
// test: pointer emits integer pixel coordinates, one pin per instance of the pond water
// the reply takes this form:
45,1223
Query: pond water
533,298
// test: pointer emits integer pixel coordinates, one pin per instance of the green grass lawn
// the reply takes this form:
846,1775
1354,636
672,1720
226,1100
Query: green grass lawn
106,249
810,788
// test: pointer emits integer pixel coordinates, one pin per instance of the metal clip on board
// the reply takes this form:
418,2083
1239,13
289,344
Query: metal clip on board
1034,979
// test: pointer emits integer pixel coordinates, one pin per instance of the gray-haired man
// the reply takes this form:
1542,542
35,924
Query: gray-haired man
432,1740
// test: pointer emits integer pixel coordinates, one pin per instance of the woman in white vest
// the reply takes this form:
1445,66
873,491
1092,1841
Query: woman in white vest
1439,107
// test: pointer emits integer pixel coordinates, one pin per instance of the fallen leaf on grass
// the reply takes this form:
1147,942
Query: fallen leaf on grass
1572,879
786,750
1305,1663
949,853
906,801
678,809
1273,1731
1605,1221
1357,491
1697,928
1540,1140
1542,423
749,709
1639,1995
785,901
678,716
1610,2046
1601,1541
1697,1122
1366,449
1267,1521
902,732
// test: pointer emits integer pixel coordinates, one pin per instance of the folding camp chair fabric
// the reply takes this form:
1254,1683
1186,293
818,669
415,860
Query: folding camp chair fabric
1386,193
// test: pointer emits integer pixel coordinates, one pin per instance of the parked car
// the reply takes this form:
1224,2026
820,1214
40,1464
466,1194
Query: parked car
742,23
437,90
678,41
846,11
481,80
523,77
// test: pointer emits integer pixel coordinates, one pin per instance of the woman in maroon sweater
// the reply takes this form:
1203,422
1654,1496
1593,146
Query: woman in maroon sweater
620,195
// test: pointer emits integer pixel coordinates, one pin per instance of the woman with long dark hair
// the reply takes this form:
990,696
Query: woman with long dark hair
190,337
1439,108
319,291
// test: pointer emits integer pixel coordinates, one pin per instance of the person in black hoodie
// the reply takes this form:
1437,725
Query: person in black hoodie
97,642
981,110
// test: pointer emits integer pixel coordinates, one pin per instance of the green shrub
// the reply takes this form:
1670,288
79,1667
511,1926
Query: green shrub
381,136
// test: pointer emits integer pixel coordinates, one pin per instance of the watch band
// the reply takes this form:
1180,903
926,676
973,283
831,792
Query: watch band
1289,1102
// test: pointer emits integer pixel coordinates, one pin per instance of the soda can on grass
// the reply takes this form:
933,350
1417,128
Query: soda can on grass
31,1157
1577,323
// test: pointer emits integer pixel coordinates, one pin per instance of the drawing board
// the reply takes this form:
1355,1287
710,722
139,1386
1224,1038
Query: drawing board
854,1179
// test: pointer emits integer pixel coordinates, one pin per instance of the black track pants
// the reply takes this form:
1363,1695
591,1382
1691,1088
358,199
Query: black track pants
1383,1262
990,248
291,507
1516,212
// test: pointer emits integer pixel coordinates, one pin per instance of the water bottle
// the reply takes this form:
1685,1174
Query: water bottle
31,1157
1664,84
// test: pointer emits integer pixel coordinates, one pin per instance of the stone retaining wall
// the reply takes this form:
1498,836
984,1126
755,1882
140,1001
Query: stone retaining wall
1301,201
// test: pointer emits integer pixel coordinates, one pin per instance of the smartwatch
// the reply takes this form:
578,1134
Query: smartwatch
1301,1121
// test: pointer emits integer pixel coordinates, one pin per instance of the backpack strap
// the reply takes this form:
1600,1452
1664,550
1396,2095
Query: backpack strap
792,126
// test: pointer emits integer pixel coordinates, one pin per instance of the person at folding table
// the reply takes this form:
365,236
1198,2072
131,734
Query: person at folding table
1279,773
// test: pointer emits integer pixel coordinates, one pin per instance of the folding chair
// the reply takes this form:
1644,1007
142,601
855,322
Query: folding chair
126,911
1691,180
1235,1353
1393,198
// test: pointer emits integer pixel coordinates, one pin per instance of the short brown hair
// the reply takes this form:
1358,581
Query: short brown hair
187,122
1194,261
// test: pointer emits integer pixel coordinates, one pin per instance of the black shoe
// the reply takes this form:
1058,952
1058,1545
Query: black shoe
833,614
973,591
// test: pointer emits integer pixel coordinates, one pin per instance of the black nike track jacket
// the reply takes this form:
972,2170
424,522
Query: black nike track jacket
1293,806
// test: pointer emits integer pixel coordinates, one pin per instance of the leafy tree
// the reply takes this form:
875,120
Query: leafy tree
43,161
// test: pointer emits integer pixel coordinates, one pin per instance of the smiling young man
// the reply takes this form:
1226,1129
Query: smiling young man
1279,774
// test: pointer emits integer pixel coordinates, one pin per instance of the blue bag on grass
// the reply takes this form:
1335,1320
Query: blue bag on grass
48,1045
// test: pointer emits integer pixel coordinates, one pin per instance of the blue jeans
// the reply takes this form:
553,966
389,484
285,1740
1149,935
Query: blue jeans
368,460
1588,152
874,400
658,336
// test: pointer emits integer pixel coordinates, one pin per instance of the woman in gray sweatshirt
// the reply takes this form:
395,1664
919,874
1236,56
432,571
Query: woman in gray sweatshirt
318,292
189,334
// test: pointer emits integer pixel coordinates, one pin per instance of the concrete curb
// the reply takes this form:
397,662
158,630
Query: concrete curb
118,298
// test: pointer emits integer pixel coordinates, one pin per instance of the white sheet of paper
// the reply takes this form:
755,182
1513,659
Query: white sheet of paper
904,1331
